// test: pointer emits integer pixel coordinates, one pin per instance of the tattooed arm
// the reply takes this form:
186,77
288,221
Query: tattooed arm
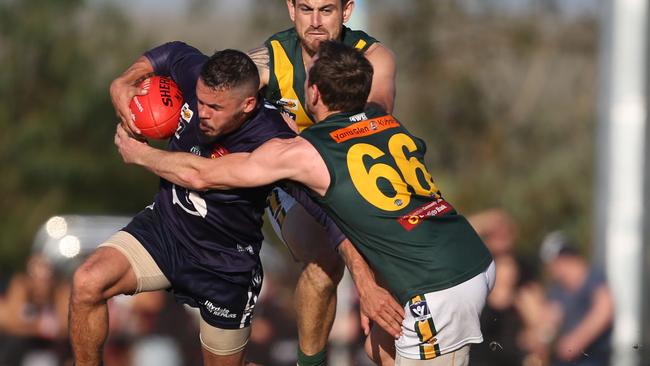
262,60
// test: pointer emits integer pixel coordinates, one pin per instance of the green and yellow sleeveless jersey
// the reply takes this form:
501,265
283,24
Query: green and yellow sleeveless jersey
383,198
287,70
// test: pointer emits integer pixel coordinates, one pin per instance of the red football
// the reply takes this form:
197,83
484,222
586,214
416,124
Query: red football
156,114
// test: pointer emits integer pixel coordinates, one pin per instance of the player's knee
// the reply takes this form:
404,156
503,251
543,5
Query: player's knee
324,274
333,267
87,285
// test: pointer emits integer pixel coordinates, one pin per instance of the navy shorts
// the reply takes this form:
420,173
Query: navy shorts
225,299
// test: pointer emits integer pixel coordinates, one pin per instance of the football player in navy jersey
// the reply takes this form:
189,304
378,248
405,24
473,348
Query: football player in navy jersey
201,245
281,62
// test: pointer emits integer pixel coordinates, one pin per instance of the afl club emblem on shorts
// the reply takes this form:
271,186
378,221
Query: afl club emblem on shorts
420,310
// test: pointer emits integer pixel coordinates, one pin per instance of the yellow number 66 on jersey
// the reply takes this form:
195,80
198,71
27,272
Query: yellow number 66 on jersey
365,180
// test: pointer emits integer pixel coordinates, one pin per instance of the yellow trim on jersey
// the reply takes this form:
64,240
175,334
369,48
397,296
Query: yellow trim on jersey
283,70
360,45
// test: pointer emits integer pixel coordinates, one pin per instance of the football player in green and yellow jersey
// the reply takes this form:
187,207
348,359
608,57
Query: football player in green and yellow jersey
282,63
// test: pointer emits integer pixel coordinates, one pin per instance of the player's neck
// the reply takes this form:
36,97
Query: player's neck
323,114
306,56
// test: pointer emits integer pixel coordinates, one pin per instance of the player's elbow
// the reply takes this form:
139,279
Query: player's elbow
193,180
199,185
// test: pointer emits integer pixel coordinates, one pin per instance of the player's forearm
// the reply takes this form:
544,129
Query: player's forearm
199,173
139,69
236,170
361,273
123,88
180,168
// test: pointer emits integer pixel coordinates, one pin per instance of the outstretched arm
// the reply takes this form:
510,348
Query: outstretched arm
382,91
376,303
275,160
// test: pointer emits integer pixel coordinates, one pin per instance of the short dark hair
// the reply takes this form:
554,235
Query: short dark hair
229,69
343,76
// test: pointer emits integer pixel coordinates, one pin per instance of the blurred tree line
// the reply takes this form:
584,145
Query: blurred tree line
505,102
58,58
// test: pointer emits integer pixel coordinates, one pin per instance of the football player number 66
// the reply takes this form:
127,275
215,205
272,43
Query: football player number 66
366,180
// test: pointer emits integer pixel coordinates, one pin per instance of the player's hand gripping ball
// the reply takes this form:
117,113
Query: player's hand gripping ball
156,114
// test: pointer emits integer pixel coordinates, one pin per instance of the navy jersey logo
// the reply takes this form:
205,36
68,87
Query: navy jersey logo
186,112
186,116
190,201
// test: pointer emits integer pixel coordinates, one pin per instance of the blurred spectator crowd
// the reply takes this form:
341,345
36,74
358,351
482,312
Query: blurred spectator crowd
554,310
557,310
150,328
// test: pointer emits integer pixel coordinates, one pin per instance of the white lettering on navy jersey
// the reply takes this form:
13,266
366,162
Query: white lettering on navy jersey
247,248
196,205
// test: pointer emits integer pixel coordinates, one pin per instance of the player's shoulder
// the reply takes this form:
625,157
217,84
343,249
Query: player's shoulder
379,52
283,36
181,46
356,34
268,122
357,39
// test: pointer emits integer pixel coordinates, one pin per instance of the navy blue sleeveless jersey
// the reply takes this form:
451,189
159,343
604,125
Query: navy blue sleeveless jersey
217,230
207,244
